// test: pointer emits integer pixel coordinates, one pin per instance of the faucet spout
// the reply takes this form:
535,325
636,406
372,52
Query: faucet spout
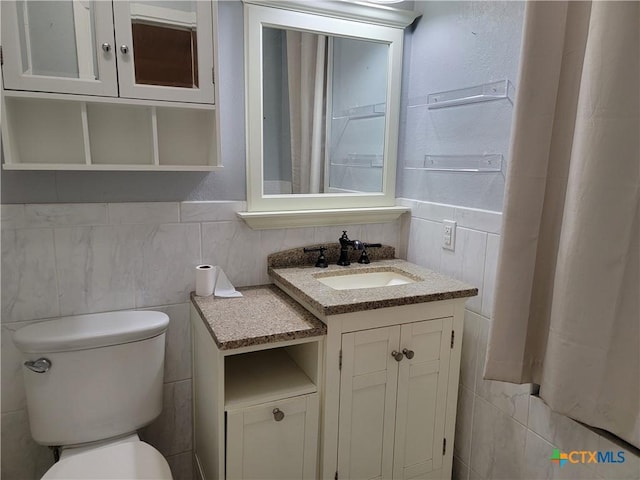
345,243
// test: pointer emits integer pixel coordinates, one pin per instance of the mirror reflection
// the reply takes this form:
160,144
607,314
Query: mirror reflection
165,45
324,113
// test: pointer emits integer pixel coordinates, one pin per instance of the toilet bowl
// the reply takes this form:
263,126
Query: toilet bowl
91,382
121,459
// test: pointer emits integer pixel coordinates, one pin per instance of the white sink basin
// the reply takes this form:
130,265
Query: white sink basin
352,281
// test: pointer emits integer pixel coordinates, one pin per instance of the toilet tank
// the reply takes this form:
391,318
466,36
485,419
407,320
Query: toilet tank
105,376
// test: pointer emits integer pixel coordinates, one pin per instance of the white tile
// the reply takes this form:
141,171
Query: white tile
403,237
537,464
12,216
497,444
406,202
234,246
177,360
464,424
22,458
466,263
460,470
65,214
510,398
171,432
469,354
558,429
96,267
629,469
166,272
425,243
210,211
436,212
384,233
28,275
490,270
181,466
331,234
476,219
13,395
272,241
144,212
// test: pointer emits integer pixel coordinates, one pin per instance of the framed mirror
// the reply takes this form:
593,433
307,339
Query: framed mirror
323,93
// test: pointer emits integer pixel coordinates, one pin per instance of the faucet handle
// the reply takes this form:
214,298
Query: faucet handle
364,256
322,261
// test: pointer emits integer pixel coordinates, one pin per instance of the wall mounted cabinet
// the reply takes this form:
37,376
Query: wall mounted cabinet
123,85
136,49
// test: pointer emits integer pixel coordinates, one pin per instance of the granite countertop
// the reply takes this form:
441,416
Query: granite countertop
323,300
264,314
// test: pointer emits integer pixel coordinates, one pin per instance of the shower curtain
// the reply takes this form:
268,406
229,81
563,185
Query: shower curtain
306,65
566,310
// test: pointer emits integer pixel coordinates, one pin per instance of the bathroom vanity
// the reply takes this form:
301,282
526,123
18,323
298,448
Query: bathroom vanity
369,368
257,379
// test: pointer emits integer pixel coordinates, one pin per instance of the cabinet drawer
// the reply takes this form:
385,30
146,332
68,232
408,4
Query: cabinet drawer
275,440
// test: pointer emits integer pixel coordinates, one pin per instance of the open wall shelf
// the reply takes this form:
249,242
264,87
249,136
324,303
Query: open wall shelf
482,163
67,132
486,92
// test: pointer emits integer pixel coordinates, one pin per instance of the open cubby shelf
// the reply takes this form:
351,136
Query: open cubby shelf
86,133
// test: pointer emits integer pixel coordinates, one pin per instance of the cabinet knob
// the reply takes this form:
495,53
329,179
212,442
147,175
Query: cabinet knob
397,356
278,414
106,47
124,49
408,353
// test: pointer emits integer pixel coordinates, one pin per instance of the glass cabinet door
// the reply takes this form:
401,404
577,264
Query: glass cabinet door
165,50
64,46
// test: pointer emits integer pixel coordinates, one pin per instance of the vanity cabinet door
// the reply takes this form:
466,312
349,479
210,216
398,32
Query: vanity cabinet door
276,440
165,50
393,399
422,398
367,403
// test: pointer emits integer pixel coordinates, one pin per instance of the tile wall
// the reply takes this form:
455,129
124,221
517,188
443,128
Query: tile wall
69,259
502,431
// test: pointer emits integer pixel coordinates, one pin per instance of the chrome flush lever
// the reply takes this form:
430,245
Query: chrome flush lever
41,365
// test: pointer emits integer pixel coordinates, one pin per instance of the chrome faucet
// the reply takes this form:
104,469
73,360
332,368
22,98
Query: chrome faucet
345,243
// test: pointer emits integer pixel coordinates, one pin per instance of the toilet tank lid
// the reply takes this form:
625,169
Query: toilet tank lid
83,332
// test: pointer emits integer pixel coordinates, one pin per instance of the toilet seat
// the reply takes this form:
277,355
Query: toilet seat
124,460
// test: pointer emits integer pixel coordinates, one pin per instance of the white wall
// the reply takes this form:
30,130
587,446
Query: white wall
457,45
68,259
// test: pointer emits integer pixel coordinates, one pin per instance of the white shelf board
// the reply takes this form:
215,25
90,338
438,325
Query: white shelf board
263,376
110,167
317,218
111,100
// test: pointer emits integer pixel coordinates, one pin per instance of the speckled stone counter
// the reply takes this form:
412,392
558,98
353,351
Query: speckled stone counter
429,286
264,314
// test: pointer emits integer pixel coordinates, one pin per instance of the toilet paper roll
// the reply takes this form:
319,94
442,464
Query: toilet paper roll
205,280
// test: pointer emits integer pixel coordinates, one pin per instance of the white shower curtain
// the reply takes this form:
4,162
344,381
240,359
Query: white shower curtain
306,65
566,312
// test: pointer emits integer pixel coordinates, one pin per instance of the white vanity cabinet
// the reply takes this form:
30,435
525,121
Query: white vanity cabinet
393,400
257,382
132,49
391,391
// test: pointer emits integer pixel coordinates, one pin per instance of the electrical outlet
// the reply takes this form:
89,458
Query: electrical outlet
449,235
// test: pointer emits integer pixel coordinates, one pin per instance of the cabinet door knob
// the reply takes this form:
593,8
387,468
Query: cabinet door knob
124,49
278,414
408,353
106,47
397,356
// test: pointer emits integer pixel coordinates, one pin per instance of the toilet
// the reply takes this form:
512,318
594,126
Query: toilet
91,382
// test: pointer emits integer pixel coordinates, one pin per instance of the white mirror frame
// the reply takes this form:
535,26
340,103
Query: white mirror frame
350,20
